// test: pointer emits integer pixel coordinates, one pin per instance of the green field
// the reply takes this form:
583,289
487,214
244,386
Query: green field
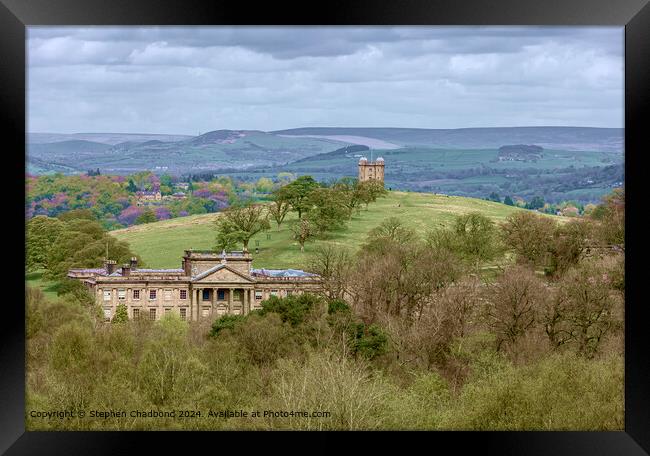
35,280
161,244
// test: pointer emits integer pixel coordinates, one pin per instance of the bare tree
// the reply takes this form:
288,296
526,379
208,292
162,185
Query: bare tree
333,264
528,235
400,278
512,305
279,209
303,231
582,312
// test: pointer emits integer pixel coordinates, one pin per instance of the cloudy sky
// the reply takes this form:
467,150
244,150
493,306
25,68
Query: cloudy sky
186,80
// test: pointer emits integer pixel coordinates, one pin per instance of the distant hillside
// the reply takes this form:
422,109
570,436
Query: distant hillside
217,150
565,138
577,162
105,138
521,152
344,152
71,146
217,137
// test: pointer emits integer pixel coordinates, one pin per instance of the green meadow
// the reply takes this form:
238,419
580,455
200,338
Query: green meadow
35,280
161,244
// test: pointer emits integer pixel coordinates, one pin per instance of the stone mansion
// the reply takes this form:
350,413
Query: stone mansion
207,285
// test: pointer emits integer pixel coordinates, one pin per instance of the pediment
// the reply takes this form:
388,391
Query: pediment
222,273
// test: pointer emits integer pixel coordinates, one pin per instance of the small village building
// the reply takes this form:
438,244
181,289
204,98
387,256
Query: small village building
143,198
207,285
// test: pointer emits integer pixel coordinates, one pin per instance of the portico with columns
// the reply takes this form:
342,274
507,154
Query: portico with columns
208,285
210,300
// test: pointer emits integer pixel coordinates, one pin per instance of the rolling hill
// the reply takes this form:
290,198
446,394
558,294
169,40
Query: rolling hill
564,138
212,151
104,138
575,163
161,244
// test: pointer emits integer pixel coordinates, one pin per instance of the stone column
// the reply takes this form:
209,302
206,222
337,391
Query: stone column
230,293
192,303
198,304
214,301
245,301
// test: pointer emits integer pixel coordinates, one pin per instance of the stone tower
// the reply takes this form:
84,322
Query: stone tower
373,170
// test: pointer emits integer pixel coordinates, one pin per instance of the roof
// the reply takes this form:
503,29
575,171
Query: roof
159,270
217,268
90,270
282,273
118,271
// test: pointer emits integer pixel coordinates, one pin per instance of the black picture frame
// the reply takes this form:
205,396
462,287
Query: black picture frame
634,15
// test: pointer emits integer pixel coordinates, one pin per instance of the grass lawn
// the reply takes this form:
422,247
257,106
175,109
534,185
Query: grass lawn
35,280
161,244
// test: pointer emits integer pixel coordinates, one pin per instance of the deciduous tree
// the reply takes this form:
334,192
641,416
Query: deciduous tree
279,208
512,305
303,231
297,192
241,223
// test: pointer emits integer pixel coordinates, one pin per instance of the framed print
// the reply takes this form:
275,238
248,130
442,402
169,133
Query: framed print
381,217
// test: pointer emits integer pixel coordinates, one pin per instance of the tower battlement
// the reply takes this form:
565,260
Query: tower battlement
371,170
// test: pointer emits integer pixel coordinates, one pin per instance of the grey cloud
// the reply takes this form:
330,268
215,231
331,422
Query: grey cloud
182,80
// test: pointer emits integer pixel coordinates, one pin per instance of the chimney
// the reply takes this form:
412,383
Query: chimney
134,263
109,265
126,270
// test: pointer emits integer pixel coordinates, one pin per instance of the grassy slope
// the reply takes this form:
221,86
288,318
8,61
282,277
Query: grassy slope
35,280
161,244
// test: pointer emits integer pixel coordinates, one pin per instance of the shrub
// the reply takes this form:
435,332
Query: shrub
263,338
369,341
561,392
225,322
121,314
337,305
328,382
291,309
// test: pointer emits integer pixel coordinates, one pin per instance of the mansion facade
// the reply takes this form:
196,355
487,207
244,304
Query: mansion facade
207,285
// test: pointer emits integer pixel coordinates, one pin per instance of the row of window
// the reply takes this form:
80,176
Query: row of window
205,312
153,294
167,294
152,313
